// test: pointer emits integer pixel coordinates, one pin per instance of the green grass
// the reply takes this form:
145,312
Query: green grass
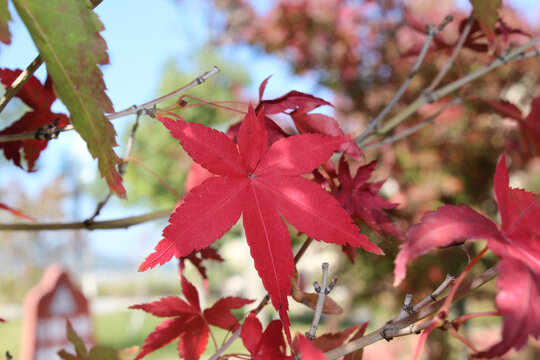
117,330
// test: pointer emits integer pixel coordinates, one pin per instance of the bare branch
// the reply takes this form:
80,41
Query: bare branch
457,48
19,82
412,129
144,109
464,289
321,290
108,224
429,97
431,32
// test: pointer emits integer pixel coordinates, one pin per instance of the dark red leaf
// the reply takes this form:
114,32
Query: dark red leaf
327,342
39,98
362,200
357,355
516,245
448,225
293,100
197,258
518,300
251,333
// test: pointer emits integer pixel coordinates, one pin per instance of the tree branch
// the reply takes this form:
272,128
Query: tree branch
457,48
463,290
429,97
96,225
431,32
144,109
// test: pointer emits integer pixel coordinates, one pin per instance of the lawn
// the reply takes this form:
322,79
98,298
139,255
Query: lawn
119,330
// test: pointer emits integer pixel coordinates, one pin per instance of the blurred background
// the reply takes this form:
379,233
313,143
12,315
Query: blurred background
354,54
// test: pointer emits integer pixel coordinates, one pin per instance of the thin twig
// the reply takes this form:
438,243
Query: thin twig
144,109
108,224
121,171
19,82
431,31
321,290
429,97
433,296
412,129
463,290
450,61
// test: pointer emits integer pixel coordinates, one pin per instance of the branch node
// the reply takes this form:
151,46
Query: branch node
47,132
317,287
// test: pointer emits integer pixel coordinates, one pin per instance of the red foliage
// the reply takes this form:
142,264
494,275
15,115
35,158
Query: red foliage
190,323
40,98
516,244
267,345
263,184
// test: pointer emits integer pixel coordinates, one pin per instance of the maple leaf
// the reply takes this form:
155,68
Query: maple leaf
362,201
262,184
204,254
529,126
40,98
299,105
516,244
329,341
487,13
190,323
307,349
358,354
95,353
73,65
267,345
5,35
16,212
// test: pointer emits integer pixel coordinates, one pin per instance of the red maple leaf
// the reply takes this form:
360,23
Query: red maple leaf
40,98
189,324
299,105
267,345
263,185
329,341
197,257
307,349
362,201
517,244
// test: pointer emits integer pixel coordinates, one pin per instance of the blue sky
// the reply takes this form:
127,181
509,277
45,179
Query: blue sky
142,36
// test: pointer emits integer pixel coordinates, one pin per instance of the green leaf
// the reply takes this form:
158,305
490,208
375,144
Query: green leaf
77,342
66,33
5,35
487,13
